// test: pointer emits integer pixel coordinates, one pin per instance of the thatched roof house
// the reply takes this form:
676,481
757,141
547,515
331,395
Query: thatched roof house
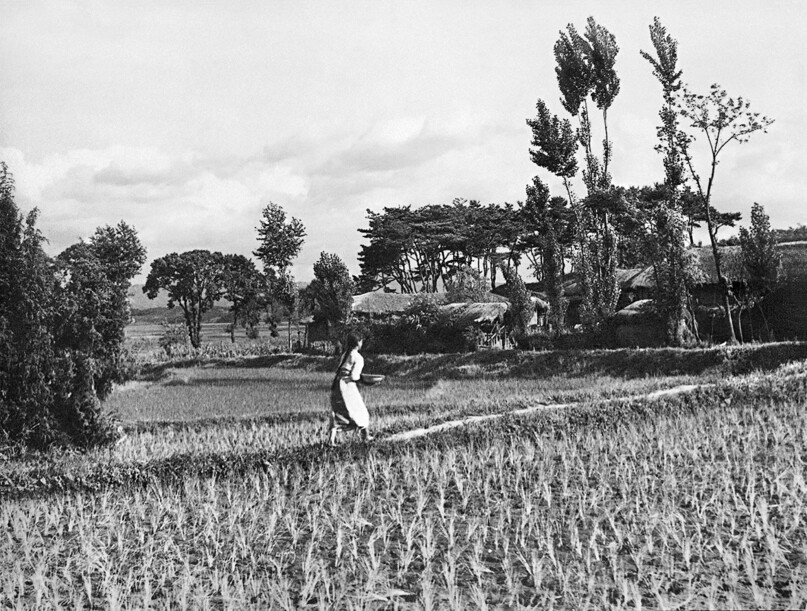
637,325
630,279
468,314
784,310
379,303
486,317
731,262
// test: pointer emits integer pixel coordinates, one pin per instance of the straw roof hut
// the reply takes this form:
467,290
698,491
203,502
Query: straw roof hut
486,318
637,325
379,303
468,314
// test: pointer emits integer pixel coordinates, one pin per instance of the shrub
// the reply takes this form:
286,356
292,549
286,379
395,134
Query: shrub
423,327
61,329
173,337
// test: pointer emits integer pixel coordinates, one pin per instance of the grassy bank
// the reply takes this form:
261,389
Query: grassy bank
621,363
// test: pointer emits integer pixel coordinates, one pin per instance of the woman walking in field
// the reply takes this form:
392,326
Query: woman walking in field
348,411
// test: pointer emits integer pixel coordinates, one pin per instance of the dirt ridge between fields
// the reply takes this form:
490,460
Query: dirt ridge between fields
451,424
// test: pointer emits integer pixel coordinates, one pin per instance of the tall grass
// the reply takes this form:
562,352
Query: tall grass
701,505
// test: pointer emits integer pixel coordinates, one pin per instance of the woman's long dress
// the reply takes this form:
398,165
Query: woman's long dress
347,406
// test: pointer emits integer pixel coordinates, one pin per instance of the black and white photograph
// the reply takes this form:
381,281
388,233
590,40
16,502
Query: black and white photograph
420,305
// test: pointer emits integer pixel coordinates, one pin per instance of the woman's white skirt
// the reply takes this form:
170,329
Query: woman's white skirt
349,410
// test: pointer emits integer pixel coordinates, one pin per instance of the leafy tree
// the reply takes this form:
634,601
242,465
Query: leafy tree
61,331
94,282
280,240
27,355
245,288
548,222
556,148
555,144
92,312
119,250
521,308
193,280
720,120
585,69
331,291
673,264
761,260
665,69
419,250
466,285
280,243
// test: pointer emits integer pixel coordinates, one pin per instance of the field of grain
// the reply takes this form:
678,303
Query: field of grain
143,339
223,496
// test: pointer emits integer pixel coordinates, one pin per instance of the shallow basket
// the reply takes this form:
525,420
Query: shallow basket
371,378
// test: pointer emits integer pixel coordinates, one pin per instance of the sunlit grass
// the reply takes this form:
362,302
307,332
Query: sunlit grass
224,410
700,512
705,510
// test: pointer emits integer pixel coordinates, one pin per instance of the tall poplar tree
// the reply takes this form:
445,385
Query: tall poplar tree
585,72
673,264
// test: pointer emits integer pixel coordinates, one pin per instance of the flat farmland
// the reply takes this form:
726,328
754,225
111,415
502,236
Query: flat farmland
222,495
143,337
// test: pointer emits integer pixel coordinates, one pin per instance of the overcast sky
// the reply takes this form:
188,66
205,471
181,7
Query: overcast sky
185,118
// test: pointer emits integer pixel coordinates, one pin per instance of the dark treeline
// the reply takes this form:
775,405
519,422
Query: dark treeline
418,250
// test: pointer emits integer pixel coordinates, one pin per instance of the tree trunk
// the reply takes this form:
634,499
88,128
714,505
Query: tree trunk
765,320
232,328
689,306
723,282
193,325
727,309
751,323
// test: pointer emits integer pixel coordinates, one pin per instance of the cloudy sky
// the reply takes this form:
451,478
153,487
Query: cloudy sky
186,117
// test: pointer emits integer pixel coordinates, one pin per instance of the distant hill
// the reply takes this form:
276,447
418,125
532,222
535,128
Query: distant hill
139,301
154,311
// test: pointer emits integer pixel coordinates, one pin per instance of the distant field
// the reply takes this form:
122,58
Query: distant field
144,336
204,393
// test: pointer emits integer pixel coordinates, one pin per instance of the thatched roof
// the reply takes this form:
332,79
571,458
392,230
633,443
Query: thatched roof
794,261
379,302
636,310
628,279
537,296
731,262
468,314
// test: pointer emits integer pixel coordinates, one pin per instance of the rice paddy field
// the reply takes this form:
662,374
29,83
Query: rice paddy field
222,495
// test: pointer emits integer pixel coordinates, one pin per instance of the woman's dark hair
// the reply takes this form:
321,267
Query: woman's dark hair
353,340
